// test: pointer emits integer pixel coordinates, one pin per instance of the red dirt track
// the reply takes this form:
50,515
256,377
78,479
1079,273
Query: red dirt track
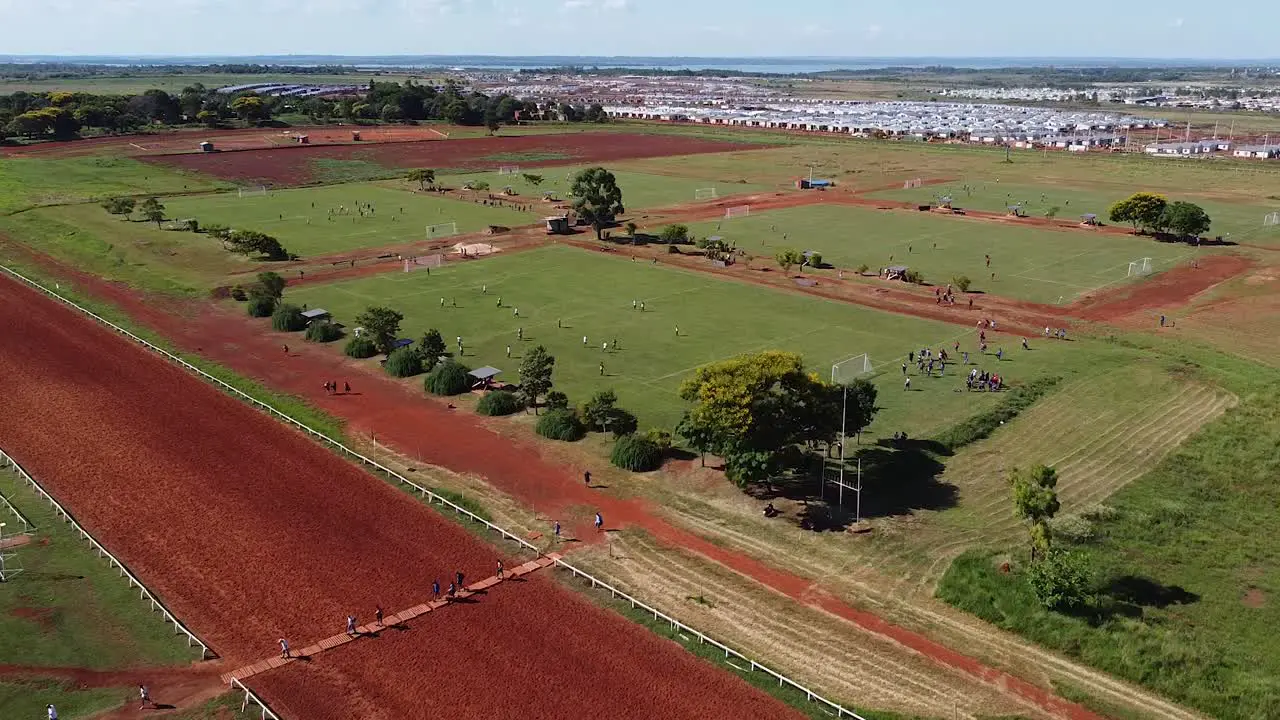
249,532
293,165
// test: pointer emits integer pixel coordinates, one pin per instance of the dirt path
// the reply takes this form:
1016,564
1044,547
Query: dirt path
399,416
1165,292
172,689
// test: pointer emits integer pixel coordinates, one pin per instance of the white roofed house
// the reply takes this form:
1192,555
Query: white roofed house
1259,152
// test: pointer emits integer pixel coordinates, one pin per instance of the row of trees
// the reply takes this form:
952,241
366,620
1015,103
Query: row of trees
244,242
1149,212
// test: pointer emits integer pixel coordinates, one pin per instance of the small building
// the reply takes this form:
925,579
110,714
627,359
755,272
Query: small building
1090,219
206,146
557,225
1260,152
483,377
316,314
895,272
807,184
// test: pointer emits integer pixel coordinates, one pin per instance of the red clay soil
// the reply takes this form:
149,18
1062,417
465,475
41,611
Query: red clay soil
250,532
181,687
1167,291
400,417
294,165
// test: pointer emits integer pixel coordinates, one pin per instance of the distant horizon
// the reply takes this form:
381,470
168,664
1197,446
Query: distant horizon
1181,59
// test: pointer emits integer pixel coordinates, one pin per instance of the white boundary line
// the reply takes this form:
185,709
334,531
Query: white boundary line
143,592
614,592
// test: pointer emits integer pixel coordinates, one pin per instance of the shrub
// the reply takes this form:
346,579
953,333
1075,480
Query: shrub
1072,528
1061,581
561,424
499,403
238,293
961,282
674,235
815,260
622,422
360,348
261,306
288,318
984,423
323,332
914,277
447,378
556,400
635,453
659,437
403,362
863,268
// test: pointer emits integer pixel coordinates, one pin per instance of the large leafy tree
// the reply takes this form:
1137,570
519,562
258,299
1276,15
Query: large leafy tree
1185,219
119,206
752,409
422,176
597,198
1141,210
152,211
272,284
432,347
381,325
248,242
788,258
535,376
1035,499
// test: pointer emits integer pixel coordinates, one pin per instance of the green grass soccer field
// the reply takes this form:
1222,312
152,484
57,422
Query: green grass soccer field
1034,264
300,218
1243,223
590,294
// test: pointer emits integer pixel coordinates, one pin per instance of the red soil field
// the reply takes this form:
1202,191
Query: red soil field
294,165
1165,292
251,532
188,140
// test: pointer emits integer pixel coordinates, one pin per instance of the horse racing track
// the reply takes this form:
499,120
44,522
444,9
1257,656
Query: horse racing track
251,532
295,165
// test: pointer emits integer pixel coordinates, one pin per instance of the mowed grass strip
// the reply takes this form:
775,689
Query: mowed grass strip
31,181
1029,263
590,294
300,217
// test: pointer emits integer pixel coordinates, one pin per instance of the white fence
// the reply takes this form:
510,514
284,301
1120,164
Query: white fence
143,592
251,697
28,527
430,496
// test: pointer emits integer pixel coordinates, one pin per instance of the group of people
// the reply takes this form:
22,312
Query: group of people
331,386
947,296
983,380
927,360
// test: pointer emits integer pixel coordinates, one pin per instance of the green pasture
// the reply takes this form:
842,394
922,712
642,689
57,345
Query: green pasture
300,217
28,698
32,181
640,190
1235,221
1037,264
590,294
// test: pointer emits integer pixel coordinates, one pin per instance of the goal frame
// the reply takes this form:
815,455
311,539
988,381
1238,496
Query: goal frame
439,230
739,211
255,191
509,170
424,261
842,373
1271,219
705,194
1140,268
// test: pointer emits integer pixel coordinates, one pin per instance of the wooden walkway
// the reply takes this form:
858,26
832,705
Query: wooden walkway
362,631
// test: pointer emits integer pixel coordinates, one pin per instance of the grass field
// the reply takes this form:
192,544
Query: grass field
27,181
1185,559
591,295
1030,263
1239,222
28,699
300,219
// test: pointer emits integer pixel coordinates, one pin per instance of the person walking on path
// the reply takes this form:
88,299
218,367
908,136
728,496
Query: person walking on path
586,478
377,615
460,585
556,530
599,522
453,590
501,570
284,648
286,349
435,589
346,388
351,625
145,696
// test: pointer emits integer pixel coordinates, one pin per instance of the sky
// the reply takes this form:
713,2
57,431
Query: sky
844,28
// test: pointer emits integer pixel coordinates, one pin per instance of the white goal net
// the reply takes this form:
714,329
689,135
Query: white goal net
442,230
912,183
1138,268
509,170
424,261
1271,219
256,191
846,371
704,194
737,212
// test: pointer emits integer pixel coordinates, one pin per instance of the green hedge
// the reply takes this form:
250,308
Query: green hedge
448,378
1010,406
636,453
498,403
288,318
360,348
261,306
561,424
323,332
403,362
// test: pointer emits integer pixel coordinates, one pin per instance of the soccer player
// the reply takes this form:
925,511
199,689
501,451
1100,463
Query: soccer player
53,712
501,570
435,589
284,648
351,625
586,478
145,696
377,615
599,522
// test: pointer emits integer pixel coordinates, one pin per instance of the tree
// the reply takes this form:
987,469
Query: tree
152,211
814,260
636,453
1185,219
1061,581
249,108
381,325
431,348
221,233
602,411
1035,499
403,362
962,282
535,376
120,206
597,198
247,242
423,177
288,318
1142,210
534,180
674,235
859,402
272,284
631,229
208,118
788,258
447,379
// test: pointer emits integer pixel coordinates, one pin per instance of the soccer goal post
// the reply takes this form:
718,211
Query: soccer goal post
850,369
1271,219
442,230
509,170
704,194
1138,268
255,191
737,212
423,261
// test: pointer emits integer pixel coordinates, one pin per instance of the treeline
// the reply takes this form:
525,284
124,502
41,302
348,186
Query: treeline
65,115
66,71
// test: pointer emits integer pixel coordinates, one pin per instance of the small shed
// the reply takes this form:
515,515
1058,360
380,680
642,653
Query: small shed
807,184
316,314
402,342
483,377
206,146
896,272
557,225
1089,219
